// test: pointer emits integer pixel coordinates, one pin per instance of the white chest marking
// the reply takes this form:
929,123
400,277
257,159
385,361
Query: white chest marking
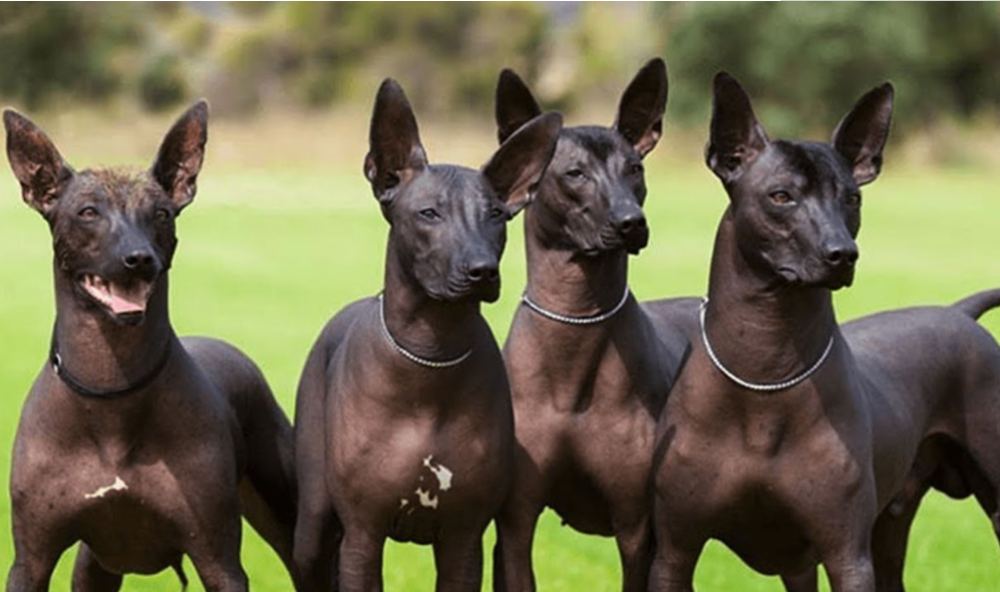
441,472
427,500
118,485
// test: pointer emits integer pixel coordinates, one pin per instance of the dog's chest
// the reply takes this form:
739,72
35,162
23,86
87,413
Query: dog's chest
133,518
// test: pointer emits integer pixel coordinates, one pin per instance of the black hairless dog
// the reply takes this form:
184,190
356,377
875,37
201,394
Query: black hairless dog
791,439
404,426
589,367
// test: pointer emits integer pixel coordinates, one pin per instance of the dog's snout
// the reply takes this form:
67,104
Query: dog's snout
484,272
841,254
138,260
631,223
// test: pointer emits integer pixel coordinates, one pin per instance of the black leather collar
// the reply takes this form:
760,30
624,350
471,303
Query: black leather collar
81,389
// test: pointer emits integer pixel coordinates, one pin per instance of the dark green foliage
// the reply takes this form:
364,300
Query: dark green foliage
51,48
162,84
805,63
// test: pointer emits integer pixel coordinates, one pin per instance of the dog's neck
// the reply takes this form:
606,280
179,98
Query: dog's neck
568,283
102,354
762,329
427,327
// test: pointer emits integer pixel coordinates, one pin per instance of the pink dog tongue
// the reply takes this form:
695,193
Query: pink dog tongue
124,301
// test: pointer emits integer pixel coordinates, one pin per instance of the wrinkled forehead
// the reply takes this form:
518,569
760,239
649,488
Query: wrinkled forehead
451,186
808,166
120,188
599,143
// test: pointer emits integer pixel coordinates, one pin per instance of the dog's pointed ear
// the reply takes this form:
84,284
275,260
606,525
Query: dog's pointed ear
395,152
640,111
736,138
181,155
36,163
861,135
516,168
515,106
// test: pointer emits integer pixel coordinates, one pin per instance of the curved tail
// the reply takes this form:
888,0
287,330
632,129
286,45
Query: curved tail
979,303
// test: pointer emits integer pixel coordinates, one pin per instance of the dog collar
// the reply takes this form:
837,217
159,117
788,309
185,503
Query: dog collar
410,355
568,320
81,389
758,386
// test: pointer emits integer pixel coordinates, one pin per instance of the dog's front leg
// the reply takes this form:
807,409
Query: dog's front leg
672,569
89,576
361,560
317,531
459,562
37,548
852,573
217,559
635,549
512,569
30,573
217,577
807,581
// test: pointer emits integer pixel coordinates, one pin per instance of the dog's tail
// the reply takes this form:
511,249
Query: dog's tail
178,568
979,303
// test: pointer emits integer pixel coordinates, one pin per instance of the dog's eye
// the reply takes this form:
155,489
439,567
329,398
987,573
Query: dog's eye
162,214
497,213
636,168
429,214
88,213
853,200
575,174
780,198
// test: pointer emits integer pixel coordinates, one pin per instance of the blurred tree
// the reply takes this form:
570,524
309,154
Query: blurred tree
446,55
49,48
162,83
805,63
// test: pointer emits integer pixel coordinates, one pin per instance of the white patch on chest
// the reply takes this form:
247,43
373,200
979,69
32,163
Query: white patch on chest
426,499
118,485
441,472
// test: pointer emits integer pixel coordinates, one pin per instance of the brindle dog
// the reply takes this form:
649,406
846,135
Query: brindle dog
404,427
140,445
791,439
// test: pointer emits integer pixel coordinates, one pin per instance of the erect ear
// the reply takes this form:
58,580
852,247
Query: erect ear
35,161
514,104
394,152
181,155
518,165
735,139
861,135
640,112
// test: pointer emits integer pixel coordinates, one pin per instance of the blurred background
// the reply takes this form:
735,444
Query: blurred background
284,231
305,59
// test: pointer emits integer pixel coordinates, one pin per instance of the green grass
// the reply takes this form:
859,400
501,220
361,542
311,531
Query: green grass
268,254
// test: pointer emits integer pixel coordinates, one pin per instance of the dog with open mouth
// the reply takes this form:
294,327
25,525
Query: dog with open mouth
141,446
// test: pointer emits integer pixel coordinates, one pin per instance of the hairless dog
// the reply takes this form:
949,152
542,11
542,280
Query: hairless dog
404,427
589,367
139,444
794,440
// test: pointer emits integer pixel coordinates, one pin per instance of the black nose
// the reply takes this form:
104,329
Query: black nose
631,223
843,254
139,259
484,272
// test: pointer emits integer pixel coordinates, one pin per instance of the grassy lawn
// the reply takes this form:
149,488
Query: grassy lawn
269,252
